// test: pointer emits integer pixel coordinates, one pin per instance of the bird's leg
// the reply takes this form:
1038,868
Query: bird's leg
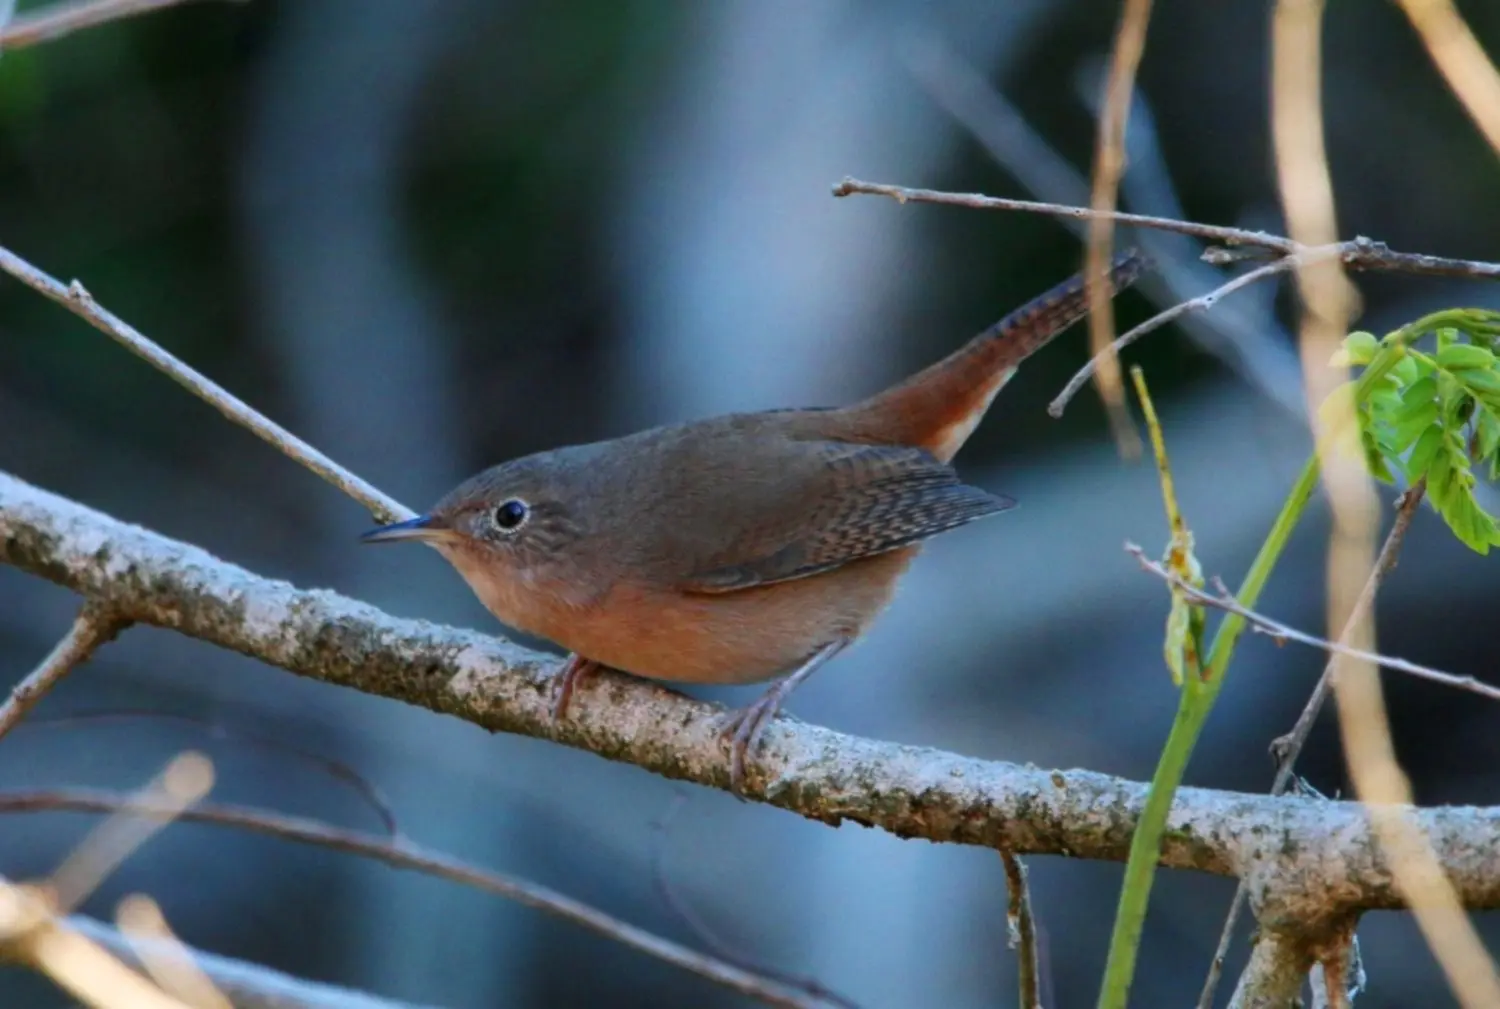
565,680
744,727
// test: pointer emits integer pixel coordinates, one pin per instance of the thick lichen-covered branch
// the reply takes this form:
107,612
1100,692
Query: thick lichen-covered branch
1306,862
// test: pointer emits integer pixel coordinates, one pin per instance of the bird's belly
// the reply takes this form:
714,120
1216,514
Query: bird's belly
734,637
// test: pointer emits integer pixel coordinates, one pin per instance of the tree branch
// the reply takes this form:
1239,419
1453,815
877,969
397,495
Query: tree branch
75,299
66,18
405,855
1303,861
1021,929
247,985
93,627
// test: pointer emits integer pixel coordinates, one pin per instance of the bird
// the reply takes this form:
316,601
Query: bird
742,548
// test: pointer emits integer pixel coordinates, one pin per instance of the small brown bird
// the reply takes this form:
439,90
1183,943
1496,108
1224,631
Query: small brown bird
740,548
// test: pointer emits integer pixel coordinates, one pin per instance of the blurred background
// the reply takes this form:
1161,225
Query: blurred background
429,236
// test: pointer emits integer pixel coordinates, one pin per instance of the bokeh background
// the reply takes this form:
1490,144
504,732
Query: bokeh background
429,236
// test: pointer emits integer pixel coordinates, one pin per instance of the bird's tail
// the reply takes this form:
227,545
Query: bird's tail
939,407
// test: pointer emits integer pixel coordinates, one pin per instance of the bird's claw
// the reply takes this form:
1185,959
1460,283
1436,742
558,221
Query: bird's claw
565,681
744,728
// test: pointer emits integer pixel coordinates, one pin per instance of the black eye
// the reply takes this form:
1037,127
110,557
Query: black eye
510,515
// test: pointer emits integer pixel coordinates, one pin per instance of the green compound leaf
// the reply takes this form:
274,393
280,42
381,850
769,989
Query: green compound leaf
1434,415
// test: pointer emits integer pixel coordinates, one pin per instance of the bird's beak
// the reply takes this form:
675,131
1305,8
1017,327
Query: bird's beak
426,528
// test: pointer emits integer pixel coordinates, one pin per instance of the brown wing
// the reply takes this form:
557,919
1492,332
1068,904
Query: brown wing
832,503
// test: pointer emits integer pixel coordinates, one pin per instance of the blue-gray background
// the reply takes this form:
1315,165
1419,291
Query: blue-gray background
429,236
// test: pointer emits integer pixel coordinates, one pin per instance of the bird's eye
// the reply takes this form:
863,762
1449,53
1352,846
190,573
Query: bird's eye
511,515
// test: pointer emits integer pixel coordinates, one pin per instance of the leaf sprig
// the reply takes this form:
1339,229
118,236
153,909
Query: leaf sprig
1433,415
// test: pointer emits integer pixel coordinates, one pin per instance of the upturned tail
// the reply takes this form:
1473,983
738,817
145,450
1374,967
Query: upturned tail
939,407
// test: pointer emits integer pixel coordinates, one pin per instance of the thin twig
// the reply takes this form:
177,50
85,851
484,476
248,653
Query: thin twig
31,933
1104,195
248,985
1021,928
1357,253
93,627
65,18
1288,748
706,935
78,301
1306,186
1461,61
978,201
1203,302
1225,600
334,768
685,913
404,855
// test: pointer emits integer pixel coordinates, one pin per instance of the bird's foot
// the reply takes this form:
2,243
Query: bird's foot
565,680
743,729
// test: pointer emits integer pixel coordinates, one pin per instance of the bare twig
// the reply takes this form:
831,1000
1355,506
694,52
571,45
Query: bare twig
1306,188
1358,253
1289,747
334,768
93,627
1461,61
185,780
65,18
1203,302
1209,232
684,911
1109,165
78,301
1021,929
31,933
248,985
1261,624
404,855
163,956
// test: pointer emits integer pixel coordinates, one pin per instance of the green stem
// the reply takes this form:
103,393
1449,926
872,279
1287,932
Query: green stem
1196,702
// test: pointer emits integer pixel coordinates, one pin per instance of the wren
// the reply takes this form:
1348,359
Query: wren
740,548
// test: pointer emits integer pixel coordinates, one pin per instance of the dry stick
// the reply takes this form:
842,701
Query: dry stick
92,628
248,985
77,300
1275,629
1358,253
404,855
978,201
31,933
1288,748
334,768
1203,302
1021,928
1460,60
1306,187
1109,165
65,18
700,928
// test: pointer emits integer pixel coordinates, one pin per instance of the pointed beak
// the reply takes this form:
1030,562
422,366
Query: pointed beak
426,528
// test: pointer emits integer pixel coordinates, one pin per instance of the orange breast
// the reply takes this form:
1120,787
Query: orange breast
737,637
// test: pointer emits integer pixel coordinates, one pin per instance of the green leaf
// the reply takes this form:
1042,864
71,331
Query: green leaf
1480,383
1406,371
1426,450
1445,338
1424,390
1358,348
1462,356
1403,434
